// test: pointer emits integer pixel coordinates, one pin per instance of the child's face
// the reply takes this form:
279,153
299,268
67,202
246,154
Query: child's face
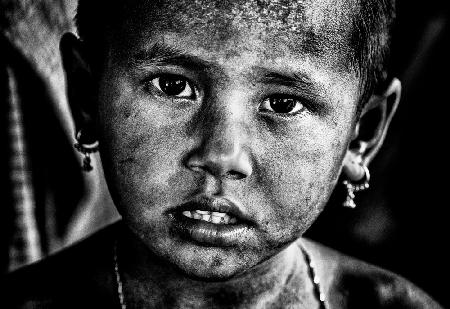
206,100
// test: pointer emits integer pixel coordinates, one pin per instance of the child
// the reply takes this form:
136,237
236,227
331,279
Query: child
223,128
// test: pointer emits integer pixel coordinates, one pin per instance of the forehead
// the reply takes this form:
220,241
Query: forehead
318,28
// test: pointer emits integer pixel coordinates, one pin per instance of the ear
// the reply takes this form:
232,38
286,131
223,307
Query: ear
370,131
80,87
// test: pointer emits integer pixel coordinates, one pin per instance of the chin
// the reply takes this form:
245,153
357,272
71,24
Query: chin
214,264
213,275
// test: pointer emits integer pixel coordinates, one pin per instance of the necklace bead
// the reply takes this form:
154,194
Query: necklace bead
315,278
119,283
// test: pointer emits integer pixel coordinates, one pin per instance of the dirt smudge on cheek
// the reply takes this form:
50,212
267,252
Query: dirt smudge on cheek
295,176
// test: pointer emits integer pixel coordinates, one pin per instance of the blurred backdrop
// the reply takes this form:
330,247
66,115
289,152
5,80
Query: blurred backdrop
47,202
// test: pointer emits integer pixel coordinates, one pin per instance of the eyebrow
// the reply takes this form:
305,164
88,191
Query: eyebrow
298,81
295,80
163,54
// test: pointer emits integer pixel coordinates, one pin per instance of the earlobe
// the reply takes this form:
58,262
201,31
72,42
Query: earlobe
353,162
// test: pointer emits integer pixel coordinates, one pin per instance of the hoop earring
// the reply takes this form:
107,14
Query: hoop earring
352,188
86,150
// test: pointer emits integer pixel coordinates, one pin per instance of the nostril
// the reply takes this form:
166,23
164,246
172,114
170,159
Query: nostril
235,175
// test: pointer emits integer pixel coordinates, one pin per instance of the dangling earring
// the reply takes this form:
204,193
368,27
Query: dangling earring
362,185
86,150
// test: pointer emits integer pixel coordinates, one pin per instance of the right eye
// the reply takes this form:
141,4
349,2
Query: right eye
174,86
282,105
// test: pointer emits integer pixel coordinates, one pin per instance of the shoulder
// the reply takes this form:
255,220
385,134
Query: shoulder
351,283
75,277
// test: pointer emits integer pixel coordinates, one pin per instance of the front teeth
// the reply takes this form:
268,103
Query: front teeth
210,216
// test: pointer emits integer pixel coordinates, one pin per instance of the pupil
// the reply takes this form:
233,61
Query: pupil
282,105
172,86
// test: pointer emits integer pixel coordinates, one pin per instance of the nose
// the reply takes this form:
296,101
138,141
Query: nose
223,151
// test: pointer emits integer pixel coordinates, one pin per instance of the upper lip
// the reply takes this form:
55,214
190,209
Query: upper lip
213,204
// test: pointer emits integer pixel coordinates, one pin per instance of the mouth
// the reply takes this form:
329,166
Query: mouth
213,217
211,221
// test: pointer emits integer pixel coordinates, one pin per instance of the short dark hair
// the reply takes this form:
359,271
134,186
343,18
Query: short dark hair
370,37
370,40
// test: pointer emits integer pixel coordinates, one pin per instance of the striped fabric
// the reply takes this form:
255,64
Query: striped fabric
25,247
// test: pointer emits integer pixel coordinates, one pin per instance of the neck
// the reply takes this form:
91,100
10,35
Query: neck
149,282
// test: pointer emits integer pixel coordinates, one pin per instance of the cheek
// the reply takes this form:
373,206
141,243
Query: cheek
141,148
299,171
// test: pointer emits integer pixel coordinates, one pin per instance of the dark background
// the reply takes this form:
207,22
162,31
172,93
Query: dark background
402,222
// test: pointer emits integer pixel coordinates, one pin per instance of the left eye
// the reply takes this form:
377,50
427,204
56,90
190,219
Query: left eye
174,86
281,105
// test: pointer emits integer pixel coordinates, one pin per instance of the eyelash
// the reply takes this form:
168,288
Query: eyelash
154,83
297,106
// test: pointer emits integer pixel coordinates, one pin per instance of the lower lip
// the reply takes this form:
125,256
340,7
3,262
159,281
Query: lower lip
209,234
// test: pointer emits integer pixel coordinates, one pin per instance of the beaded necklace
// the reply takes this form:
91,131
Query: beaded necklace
311,272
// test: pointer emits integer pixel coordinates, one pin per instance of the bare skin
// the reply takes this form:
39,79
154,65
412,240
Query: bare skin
161,151
83,277
226,107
